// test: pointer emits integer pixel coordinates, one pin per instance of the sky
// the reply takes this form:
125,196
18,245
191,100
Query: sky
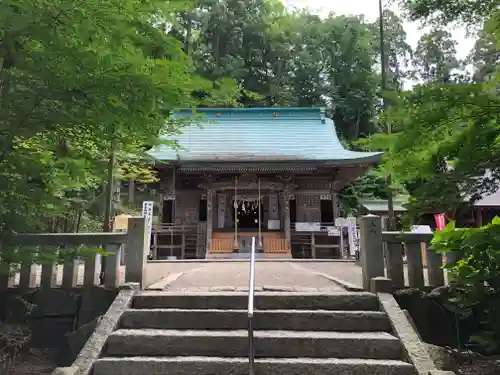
369,8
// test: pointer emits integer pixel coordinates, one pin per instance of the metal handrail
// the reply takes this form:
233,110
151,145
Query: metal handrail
251,295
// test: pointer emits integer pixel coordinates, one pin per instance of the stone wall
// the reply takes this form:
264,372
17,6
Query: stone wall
52,314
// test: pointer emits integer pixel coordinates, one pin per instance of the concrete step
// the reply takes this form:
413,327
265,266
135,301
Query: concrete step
263,301
269,344
299,320
239,366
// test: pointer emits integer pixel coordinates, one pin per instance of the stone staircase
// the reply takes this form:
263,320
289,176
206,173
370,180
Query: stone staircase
296,334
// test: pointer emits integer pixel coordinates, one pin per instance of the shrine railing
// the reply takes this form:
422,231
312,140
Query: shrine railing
221,245
275,245
319,227
173,227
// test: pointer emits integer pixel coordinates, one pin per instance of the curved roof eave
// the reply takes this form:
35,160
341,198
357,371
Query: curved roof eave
263,135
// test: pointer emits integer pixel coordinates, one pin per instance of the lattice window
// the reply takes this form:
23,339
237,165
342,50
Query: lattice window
310,201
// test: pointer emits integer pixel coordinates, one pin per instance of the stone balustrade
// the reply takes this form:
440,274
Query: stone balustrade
382,254
80,271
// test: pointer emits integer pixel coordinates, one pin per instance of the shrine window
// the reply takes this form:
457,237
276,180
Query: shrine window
293,210
327,215
168,214
202,211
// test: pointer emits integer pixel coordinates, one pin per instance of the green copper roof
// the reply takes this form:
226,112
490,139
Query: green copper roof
381,205
260,134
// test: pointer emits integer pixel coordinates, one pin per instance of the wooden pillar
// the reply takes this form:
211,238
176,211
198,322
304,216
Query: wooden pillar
335,205
221,210
183,246
479,216
286,215
209,217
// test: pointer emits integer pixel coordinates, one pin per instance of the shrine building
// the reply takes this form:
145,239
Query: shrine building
272,173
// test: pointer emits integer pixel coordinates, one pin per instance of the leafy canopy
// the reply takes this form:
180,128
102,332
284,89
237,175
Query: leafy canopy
78,80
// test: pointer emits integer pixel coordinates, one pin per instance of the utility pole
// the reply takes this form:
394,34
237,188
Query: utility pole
383,87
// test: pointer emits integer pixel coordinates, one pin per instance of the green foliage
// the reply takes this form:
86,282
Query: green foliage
475,276
369,186
446,147
439,11
281,58
296,58
79,81
435,57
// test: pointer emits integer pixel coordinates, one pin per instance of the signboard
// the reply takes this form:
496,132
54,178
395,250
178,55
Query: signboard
307,227
273,224
333,231
341,222
421,229
353,233
147,212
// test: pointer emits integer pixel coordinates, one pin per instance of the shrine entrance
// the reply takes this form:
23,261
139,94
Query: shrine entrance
247,214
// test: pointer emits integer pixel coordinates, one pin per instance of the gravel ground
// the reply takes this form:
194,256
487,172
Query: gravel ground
36,362
481,366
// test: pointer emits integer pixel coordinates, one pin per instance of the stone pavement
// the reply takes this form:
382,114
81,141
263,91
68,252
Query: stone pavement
348,272
234,276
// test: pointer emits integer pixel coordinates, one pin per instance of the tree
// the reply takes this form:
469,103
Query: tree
447,148
351,82
397,50
443,12
282,58
78,81
485,56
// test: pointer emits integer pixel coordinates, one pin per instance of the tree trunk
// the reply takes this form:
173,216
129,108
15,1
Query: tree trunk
356,126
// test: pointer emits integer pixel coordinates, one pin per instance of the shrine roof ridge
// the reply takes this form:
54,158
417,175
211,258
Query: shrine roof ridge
255,113
258,135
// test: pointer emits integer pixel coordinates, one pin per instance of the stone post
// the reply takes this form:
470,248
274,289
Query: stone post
137,251
112,270
372,253
210,217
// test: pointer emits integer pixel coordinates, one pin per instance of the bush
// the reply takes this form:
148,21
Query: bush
475,278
